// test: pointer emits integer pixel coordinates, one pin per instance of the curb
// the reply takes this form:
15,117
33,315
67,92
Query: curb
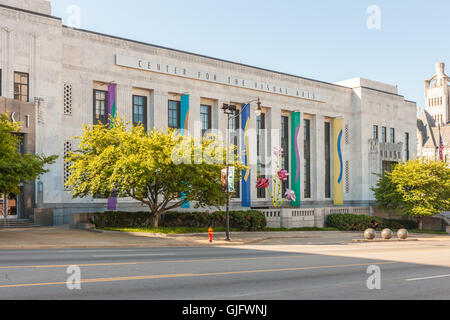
382,240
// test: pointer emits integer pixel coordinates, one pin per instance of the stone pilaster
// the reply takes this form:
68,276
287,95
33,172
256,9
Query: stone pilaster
195,124
160,102
318,158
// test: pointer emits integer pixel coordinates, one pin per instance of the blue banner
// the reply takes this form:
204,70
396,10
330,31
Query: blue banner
184,126
246,179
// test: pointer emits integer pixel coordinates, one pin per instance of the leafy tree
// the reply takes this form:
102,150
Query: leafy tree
418,188
164,171
16,168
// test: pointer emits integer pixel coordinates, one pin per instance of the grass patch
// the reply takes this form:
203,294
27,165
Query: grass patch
185,230
428,232
171,230
300,229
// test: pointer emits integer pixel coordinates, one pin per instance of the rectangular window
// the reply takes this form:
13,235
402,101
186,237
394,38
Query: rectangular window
140,111
392,135
388,166
100,107
307,153
375,133
174,114
407,146
327,160
205,117
384,134
21,144
285,146
21,86
234,128
260,148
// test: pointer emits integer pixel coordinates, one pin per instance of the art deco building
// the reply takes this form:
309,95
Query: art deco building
335,135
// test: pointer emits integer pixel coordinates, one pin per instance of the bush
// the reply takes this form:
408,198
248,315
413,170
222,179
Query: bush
351,222
240,220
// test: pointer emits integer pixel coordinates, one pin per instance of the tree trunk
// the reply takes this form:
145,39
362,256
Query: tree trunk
155,220
5,206
421,224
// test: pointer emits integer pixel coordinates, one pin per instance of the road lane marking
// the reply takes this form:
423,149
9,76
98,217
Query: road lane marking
195,275
148,262
134,255
68,265
94,251
430,278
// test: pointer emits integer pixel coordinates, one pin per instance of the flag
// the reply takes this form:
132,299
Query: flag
112,110
246,180
441,147
184,112
296,158
338,162
112,107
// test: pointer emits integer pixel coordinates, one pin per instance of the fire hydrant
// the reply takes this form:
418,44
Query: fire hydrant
211,234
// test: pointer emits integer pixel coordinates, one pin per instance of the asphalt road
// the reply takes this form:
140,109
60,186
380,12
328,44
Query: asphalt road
211,273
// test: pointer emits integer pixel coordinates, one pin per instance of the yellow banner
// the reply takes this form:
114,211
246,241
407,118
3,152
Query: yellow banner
338,162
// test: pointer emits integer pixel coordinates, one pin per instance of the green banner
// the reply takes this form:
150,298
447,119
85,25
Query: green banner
296,163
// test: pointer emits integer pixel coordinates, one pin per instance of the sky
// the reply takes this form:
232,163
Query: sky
327,40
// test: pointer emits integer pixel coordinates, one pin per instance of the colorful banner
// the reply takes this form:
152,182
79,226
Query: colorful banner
231,174
184,113
112,111
183,127
246,179
228,181
338,162
112,107
295,158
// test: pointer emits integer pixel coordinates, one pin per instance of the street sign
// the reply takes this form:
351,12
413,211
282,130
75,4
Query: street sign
231,174
229,181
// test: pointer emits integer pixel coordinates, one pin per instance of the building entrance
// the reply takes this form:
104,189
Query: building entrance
10,207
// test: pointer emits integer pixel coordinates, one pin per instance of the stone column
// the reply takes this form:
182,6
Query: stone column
318,158
195,124
159,104
124,101
34,61
7,62
86,102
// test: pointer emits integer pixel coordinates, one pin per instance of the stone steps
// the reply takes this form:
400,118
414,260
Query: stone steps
12,224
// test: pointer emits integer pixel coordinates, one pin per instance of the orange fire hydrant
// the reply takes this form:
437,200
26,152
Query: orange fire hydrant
211,234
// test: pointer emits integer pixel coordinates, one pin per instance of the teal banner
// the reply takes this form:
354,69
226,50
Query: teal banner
184,126
296,160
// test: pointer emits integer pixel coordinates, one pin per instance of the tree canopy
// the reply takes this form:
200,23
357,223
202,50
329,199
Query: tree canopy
418,188
162,170
16,168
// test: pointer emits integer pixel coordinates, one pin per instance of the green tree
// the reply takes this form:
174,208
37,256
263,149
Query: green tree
164,171
16,168
418,188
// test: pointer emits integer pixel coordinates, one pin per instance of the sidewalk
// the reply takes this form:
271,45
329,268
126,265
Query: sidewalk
57,238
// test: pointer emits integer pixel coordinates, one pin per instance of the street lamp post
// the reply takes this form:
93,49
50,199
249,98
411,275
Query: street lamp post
230,111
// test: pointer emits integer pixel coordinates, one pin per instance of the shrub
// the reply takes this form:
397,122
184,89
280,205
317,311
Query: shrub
240,220
351,222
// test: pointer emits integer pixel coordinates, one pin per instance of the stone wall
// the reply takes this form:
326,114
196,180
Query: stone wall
24,114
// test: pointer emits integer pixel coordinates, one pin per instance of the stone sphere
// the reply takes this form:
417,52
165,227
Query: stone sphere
387,234
370,234
402,234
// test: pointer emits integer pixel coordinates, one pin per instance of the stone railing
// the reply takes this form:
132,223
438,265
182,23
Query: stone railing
308,217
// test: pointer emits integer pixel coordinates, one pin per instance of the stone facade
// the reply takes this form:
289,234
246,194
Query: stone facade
24,114
434,121
65,65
